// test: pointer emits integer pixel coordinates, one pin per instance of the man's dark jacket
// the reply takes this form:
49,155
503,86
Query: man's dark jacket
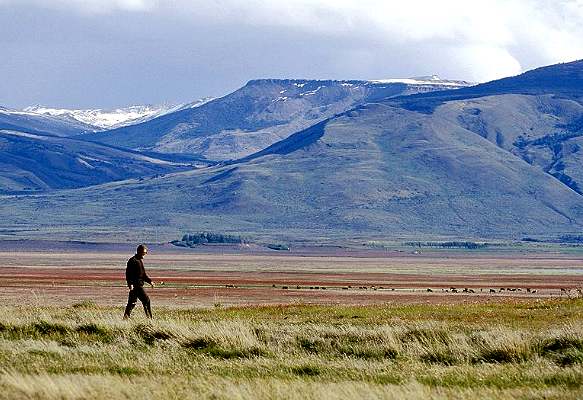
135,272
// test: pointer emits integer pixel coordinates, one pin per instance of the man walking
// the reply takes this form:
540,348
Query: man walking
135,277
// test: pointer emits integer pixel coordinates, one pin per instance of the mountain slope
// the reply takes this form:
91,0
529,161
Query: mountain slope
544,130
36,163
258,115
537,116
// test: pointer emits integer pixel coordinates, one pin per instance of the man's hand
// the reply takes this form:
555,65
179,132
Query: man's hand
131,287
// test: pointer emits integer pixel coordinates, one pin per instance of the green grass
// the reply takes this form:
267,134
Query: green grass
330,352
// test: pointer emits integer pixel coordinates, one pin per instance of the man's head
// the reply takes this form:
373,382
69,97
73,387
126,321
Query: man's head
142,250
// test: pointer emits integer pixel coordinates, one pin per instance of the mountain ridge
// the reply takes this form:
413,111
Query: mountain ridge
565,79
255,116
34,163
40,124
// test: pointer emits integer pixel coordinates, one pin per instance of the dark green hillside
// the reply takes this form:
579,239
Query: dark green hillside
36,163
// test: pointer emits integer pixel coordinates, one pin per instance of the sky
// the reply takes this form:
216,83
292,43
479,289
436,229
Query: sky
112,53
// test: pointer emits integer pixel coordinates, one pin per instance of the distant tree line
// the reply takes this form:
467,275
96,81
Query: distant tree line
451,245
532,240
276,246
561,239
571,239
193,239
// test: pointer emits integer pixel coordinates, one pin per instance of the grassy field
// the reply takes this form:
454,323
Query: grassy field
528,349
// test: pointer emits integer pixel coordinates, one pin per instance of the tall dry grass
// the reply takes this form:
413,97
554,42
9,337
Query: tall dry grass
88,352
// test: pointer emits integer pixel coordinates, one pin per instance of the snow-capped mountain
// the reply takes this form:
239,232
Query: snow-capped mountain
98,120
31,122
426,80
259,114
102,119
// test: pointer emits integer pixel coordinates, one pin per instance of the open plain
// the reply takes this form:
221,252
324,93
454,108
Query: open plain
306,324
331,276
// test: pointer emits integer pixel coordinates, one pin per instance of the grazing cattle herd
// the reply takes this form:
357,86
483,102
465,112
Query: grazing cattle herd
567,292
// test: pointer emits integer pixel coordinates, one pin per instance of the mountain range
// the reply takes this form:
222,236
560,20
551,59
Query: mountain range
30,122
259,114
103,119
314,160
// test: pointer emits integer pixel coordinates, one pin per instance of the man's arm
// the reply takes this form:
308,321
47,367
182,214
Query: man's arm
144,275
148,280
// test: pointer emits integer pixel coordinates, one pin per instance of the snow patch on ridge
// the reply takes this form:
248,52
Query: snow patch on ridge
109,119
425,80
23,134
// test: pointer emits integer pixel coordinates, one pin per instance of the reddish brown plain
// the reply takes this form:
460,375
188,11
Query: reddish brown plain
196,279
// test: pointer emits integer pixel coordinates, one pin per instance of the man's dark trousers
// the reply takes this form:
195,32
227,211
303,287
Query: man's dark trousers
136,293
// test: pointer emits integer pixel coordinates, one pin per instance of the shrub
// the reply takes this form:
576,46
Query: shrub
502,355
440,357
84,304
212,348
151,335
306,370
47,328
426,335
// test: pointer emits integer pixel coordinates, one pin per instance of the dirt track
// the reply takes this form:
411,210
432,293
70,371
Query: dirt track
233,279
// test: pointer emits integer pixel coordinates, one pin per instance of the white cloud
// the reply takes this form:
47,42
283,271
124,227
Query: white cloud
493,38
491,35
88,6
482,63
